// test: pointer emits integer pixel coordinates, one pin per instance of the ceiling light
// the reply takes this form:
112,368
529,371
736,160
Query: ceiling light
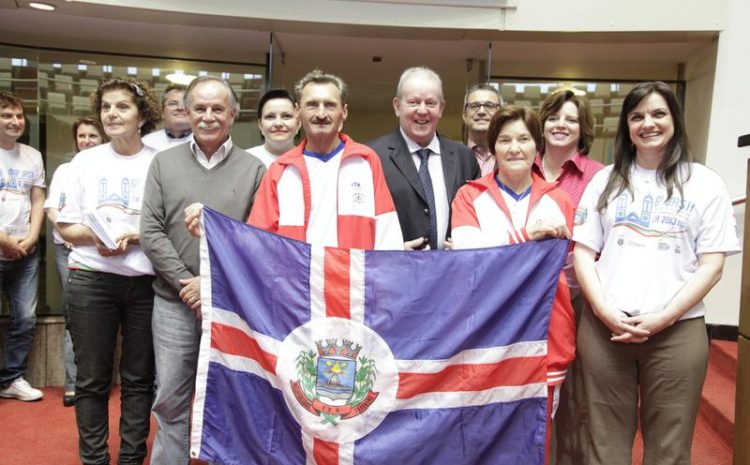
180,78
42,6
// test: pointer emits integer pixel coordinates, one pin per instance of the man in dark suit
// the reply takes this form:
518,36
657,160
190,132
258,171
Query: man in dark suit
423,170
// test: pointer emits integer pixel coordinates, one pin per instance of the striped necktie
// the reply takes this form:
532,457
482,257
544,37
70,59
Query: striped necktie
424,175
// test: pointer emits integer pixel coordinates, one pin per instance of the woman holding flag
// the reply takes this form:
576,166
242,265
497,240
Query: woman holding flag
513,205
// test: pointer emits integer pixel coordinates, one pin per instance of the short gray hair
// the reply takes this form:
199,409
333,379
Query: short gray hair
418,70
233,101
318,76
483,86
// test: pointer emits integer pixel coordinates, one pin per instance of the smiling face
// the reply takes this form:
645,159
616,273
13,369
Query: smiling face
119,114
515,149
477,115
12,125
279,121
419,108
87,136
173,112
650,125
211,115
562,129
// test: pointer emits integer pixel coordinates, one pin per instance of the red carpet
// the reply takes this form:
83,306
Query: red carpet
44,433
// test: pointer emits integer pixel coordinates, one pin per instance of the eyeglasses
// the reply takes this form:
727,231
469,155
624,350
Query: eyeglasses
475,106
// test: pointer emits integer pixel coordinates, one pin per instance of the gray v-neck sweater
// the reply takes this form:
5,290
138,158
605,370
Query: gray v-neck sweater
176,180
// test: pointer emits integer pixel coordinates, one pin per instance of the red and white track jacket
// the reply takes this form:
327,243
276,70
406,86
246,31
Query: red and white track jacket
366,215
481,218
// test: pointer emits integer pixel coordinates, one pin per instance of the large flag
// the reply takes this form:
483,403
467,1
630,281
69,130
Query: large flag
325,356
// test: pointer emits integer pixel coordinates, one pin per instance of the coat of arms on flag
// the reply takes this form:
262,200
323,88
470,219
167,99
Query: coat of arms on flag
326,356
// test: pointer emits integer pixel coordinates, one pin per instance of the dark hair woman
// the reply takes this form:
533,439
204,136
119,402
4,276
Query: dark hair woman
662,226
278,122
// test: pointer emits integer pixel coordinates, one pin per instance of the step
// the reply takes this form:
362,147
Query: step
723,356
717,403
709,446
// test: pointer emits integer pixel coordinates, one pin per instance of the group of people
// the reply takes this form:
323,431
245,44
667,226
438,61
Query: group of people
649,236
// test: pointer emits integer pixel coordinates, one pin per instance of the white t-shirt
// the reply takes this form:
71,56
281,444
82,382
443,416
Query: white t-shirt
160,141
322,229
518,209
21,169
113,185
57,194
649,245
263,155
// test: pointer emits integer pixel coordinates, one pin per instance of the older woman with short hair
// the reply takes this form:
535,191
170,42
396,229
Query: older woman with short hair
110,286
515,133
512,205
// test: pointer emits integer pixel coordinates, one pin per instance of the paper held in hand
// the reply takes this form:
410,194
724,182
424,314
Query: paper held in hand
107,228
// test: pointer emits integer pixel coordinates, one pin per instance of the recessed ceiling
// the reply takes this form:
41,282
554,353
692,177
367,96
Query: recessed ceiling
347,49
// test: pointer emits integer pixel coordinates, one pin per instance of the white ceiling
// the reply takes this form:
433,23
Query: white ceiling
348,49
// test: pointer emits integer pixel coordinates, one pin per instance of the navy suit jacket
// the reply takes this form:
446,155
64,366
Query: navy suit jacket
459,166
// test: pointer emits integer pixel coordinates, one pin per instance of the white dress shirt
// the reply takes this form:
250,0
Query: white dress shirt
435,167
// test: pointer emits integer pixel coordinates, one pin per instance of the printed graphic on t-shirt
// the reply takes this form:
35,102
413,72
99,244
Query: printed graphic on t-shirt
653,218
16,181
126,196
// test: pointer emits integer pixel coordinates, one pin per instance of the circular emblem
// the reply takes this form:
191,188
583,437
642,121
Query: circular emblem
339,378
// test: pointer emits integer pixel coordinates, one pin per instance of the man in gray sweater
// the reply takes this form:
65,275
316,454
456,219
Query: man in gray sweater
210,170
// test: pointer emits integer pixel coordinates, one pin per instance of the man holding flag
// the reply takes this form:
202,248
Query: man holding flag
329,190
208,169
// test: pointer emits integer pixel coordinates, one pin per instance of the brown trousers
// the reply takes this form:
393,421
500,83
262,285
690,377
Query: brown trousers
660,380
571,426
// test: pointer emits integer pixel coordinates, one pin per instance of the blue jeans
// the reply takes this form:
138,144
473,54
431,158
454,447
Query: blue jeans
176,342
61,263
18,280
100,304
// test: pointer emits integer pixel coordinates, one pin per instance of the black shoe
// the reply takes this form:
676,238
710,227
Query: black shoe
69,399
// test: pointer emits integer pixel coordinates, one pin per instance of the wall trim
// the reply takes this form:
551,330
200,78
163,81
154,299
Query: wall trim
722,332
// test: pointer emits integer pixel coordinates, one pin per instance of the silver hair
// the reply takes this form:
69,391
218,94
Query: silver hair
233,101
418,70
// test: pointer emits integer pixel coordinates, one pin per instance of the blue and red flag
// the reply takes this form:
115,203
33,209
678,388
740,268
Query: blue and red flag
325,356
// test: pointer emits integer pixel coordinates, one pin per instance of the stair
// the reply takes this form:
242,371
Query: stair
717,403
714,428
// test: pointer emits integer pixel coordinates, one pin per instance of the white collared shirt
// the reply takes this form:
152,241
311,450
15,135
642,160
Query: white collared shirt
216,158
435,167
